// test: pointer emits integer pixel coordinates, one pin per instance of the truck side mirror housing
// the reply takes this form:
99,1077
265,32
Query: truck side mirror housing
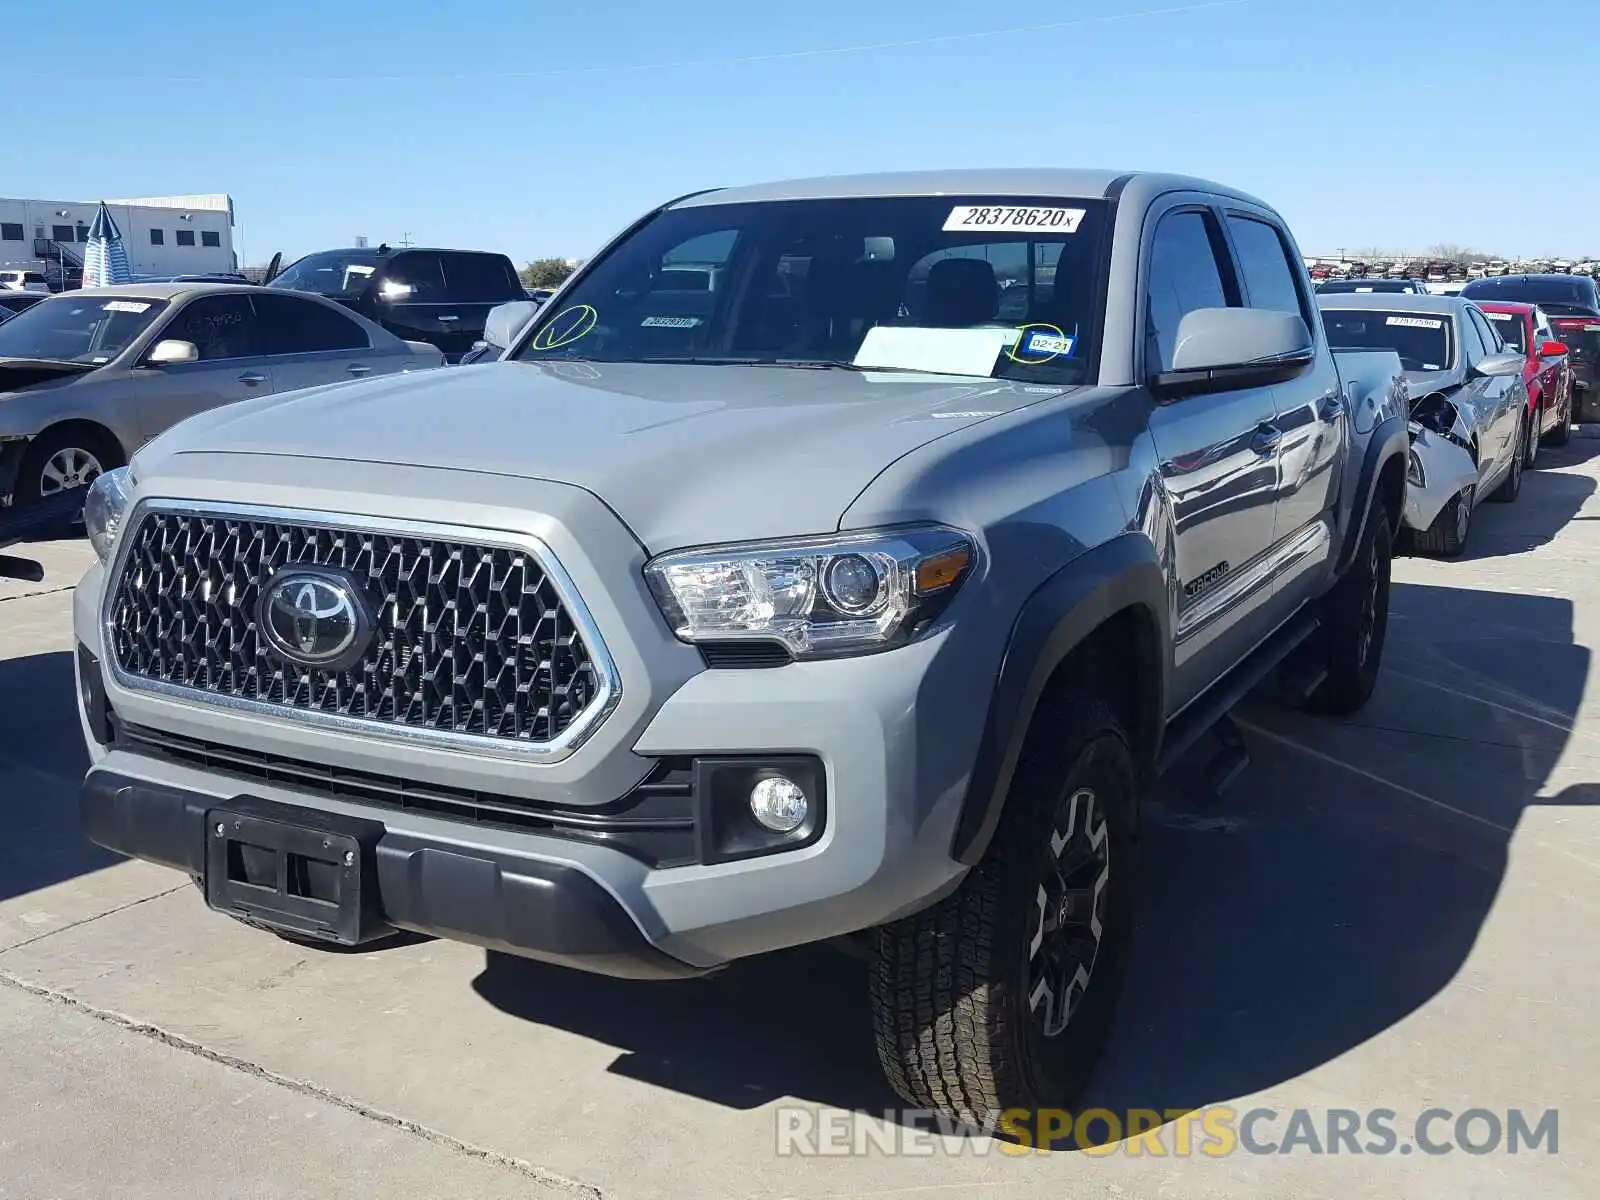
1224,349
506,321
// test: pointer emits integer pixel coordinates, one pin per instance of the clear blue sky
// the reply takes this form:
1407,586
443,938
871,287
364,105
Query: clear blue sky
540,128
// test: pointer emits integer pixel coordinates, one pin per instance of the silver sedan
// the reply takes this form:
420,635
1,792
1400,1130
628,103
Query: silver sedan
87,377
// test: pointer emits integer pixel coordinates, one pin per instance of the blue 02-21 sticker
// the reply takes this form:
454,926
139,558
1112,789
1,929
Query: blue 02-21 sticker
1047,345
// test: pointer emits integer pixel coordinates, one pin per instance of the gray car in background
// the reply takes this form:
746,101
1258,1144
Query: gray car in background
88,377
1469,432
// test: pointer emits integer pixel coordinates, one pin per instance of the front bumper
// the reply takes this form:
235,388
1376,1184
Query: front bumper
494,898
895,736
1447,468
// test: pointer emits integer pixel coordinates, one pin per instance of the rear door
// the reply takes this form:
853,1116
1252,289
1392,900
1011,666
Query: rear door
308,343
474,283
1218,457
1310,413
408,297
223,330
1497,395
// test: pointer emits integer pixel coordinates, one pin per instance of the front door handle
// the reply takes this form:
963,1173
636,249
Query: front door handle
1330,407
1266,439
252,378
358,369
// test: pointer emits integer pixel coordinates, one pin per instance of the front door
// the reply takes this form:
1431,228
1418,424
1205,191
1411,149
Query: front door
222,328
1219,463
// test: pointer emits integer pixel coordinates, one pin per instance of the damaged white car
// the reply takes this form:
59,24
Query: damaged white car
1469,430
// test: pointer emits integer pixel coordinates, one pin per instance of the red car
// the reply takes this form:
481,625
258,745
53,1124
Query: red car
1547,370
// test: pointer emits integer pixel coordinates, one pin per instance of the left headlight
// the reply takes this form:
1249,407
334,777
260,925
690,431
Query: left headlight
104,508
818,598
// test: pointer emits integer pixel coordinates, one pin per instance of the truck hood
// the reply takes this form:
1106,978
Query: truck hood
684,454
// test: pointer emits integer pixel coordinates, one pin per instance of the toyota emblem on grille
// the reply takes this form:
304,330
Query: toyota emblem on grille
314,618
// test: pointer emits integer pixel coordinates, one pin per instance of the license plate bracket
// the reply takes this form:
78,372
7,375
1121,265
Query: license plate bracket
303,871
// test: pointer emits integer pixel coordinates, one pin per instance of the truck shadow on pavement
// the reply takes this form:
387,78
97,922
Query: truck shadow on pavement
1339,886
42,760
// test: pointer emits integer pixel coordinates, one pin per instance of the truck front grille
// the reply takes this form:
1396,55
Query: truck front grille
470,640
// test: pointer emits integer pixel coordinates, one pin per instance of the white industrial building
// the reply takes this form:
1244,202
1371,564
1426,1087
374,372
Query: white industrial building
163,235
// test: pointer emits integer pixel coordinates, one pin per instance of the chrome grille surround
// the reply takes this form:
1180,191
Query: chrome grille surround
539,643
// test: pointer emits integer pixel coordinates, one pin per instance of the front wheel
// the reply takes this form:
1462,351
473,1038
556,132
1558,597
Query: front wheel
1355,623
1002,994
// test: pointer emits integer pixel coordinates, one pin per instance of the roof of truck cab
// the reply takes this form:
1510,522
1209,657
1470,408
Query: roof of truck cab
1077,183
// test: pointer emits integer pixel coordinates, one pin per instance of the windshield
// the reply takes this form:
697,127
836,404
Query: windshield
1422,340
984,287
331,273
1509,327
80,329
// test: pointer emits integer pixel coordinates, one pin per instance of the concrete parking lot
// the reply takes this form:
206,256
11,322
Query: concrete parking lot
1394,912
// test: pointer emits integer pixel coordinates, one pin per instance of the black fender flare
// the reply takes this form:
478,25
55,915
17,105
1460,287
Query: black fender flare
1388,440
1069,606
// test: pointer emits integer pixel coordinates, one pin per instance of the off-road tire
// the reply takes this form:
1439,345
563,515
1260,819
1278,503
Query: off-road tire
1511,488
950,985
1447,536
1355,623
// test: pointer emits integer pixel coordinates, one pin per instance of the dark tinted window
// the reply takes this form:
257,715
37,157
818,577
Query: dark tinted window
1422,340
185,237
330,273
1553,293
289,325
1491,339
1264,264
1366,285
219,326
1472,347
157,237
10,232
1509,327
83,232
482,277
1184,276
414,277
210,237
63,233
17,301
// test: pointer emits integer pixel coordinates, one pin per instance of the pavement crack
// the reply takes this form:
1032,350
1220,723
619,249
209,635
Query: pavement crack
91,920
176,1041
36,595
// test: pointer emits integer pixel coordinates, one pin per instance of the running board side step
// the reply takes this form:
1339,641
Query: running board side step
1210,709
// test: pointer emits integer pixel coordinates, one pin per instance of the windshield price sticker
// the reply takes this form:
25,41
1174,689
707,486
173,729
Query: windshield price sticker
670,322
969,217
1415,322
127,306
1493,316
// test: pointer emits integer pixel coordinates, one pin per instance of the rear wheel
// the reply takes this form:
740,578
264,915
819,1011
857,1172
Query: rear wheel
1531,442
1002,994
1355,623
1561,432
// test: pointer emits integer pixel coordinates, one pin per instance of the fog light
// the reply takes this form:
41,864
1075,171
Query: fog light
779,804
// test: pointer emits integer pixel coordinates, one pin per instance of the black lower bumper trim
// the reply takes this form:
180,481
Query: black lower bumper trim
491,898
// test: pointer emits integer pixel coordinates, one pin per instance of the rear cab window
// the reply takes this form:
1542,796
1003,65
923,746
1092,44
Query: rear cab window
1269,281
997,287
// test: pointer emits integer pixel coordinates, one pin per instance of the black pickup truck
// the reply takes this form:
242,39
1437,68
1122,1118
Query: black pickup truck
441,297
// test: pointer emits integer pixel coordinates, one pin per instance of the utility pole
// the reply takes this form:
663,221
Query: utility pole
405,238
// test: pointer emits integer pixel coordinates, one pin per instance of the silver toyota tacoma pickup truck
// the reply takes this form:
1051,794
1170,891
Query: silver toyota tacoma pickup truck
835,558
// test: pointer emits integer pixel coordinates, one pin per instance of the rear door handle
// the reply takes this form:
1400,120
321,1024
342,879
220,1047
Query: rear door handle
1266,438
252,378
358,369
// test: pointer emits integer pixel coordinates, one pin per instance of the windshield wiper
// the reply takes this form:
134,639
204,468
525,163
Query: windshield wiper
65,363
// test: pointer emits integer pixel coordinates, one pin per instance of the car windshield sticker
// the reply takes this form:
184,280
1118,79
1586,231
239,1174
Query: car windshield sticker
670,322
1039,344
1432,367
1591,328
566,327
1416,322
1494,316
127,306
973,217
1365,289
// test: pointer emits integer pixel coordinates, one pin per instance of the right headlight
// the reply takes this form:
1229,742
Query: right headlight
818,598
104,508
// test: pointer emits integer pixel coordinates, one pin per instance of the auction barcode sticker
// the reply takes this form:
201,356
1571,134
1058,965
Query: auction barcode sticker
1494,316
1415,322
970,217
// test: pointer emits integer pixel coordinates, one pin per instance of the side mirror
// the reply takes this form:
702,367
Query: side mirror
172,352
1221,349
1497,365
506,321
1552,349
